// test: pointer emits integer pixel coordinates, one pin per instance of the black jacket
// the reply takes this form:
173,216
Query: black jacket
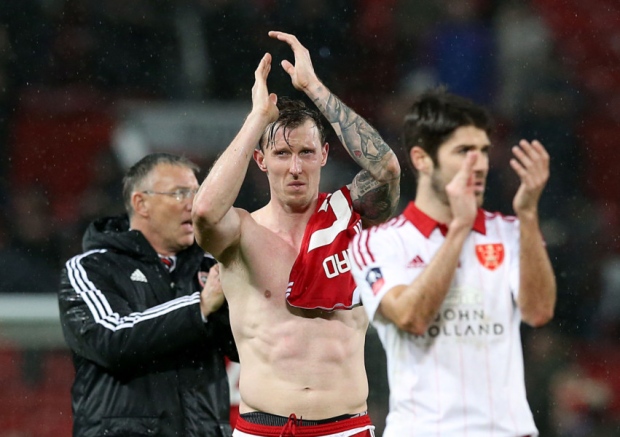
146,364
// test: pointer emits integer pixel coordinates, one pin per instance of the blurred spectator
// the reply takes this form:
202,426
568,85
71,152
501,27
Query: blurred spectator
523,49
135,48
574,235
608,311
235,33
29,32
73,44
5,105
549,111
459,51
29,254
546,352
23,48
580,404
100,197
375,48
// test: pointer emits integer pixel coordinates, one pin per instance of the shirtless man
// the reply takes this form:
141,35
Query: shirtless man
295,363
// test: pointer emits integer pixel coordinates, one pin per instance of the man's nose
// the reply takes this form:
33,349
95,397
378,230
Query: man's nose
295,165
482,163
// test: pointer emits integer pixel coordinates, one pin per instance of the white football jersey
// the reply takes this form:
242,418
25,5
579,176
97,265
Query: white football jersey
464,376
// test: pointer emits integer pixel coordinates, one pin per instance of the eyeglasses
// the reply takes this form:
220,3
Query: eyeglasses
179,195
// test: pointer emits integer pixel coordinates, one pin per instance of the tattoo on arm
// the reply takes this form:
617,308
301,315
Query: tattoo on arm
373,200
376,189
360,139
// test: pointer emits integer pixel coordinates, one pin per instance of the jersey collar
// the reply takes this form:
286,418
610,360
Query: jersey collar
427,225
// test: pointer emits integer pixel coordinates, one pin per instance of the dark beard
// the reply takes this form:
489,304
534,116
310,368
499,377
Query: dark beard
439,189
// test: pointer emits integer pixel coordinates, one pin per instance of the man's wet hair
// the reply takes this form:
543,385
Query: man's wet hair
293,113
435,115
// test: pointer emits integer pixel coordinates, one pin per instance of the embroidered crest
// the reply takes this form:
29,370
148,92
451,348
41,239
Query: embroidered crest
490,256
375,279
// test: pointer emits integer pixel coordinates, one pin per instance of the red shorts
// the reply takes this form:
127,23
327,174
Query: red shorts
353,427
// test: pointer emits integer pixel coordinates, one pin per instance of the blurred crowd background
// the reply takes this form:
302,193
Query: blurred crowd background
547,69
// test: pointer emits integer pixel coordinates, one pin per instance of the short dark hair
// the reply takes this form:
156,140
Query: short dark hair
293,113
141,169
435,115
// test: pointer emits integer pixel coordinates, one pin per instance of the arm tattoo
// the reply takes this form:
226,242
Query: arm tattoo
376,189
359,138
373,200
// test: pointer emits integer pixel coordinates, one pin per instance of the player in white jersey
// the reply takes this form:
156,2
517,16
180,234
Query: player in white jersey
447,284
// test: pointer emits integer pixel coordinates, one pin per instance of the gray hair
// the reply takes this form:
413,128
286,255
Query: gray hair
141,169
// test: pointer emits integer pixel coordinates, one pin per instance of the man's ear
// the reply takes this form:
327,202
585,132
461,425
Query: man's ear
421,160
259,157
139,203
325,153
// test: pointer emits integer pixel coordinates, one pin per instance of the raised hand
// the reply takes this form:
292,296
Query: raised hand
531,163
302,72
211,296
461,193
263,102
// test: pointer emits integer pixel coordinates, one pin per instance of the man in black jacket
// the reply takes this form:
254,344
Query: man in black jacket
144,315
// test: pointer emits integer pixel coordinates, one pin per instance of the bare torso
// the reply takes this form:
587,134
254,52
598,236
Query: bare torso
307,362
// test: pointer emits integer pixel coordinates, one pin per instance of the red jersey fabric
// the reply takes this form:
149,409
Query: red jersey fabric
321,276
